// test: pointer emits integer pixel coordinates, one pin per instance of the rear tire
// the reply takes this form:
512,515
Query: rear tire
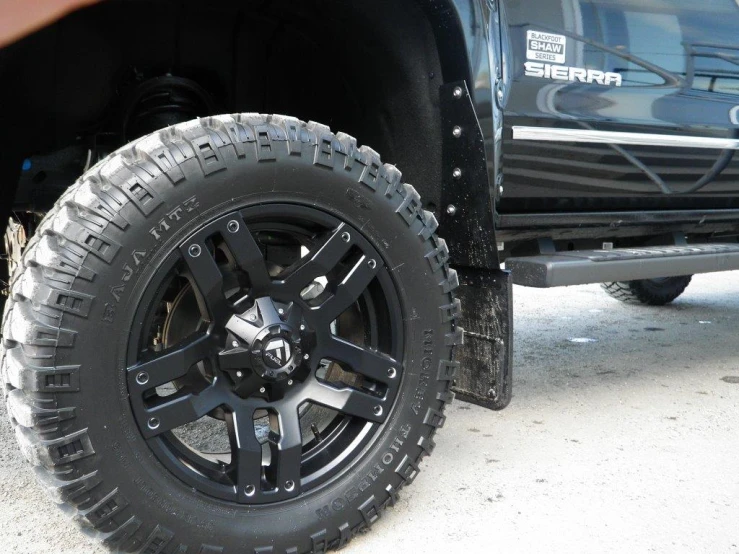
652,292
92,267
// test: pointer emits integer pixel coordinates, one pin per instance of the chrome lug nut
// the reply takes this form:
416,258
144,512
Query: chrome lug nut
233,226
194,250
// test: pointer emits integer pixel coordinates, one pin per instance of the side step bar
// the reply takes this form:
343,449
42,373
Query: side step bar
622,264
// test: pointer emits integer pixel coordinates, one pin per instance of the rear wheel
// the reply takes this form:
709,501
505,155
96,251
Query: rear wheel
234,334
652,292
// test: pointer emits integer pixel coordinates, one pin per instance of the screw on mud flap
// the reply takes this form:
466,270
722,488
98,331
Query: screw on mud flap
142,378
458,92
194,250
233,226
451,209
457,173
457,131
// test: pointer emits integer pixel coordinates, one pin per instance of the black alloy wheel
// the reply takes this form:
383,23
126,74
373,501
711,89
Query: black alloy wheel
266,335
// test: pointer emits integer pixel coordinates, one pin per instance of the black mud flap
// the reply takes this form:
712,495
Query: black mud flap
485,376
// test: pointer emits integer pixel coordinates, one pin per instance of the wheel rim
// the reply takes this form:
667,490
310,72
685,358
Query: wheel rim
265,343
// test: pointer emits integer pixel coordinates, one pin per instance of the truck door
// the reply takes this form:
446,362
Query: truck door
618,105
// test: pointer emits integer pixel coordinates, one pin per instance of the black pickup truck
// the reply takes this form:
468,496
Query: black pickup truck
233,332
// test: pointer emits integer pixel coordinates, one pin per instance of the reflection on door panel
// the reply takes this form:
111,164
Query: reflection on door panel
679,66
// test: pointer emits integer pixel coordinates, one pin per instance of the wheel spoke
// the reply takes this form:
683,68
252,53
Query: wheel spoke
348,401
247,254
246,455
350,289
180,409
318,262
170,364
288,452
207,279
371,364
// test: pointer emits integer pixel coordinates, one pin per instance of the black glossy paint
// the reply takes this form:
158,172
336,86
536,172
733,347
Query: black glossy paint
679,61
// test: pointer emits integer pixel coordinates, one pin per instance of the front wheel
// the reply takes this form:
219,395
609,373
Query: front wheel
652,292
233,335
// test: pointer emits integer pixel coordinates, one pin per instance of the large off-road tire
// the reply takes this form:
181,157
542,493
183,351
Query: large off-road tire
245,210
652,292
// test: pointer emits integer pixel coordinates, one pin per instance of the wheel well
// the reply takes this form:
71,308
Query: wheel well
370,68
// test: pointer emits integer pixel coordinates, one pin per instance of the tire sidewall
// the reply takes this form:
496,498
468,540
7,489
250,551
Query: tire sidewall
123,458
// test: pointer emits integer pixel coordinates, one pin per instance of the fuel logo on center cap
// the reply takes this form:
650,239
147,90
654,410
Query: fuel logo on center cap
277,353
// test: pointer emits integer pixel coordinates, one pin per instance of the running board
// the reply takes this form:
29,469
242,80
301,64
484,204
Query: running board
581,267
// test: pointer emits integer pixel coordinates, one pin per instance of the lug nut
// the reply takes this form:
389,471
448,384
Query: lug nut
306,357
233,226
457,131
194,250
392,373
457,173
142,378
235,344
239,374
346,237
153,423
377,410
289,486
281,311
302,327
262,390
372,264
290,382
451,209
251,317
249,490
457,92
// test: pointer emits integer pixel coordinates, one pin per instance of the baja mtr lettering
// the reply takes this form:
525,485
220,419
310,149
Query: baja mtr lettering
574,74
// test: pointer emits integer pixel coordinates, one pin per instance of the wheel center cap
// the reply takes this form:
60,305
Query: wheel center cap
277,353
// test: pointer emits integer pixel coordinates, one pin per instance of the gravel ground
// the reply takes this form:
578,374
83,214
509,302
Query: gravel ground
626,442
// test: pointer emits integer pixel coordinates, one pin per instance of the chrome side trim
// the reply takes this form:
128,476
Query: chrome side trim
550,134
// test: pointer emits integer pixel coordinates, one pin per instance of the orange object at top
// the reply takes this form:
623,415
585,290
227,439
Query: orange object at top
19,18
